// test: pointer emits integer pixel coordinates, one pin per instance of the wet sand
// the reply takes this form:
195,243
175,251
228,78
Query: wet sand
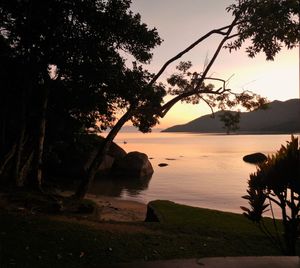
114,209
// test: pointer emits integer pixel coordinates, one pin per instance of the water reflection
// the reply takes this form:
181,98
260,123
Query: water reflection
209,170
109,185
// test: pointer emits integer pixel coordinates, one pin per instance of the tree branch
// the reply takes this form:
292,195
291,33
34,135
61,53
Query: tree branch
218,79
166,107
274,200
232,36
211,108
180,54
220,46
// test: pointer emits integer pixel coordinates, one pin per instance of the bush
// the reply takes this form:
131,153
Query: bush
277,181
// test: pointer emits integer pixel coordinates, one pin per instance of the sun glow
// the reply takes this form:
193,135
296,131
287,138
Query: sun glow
275,80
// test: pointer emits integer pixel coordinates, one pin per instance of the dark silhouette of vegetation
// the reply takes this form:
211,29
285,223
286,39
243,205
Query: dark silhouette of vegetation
231,121
64,74
277,182
190,87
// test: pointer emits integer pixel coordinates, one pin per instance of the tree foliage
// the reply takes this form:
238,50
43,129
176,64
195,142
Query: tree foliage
193,88
72,55
277,182
268,25
231,121
63,66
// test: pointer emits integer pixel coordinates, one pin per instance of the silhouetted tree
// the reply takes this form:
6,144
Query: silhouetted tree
231,121
268,26
63,64
71,60
277,182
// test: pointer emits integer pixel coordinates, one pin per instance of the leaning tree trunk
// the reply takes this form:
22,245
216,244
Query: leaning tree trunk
26,167
89,174
6,159
92,170
41,139
19,181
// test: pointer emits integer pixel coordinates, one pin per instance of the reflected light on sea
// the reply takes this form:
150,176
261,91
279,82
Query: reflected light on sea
203,170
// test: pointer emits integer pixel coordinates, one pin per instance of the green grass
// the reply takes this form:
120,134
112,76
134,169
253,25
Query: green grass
224,233
172,214
186,232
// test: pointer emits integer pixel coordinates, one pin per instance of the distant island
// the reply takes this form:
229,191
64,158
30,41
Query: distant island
281,117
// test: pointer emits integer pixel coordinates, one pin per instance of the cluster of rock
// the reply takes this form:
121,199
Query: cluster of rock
132,164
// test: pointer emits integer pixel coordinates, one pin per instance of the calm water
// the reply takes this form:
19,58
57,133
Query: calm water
203,170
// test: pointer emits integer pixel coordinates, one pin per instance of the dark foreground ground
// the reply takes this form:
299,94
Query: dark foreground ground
33,239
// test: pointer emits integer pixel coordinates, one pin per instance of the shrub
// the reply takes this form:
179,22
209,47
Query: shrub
277,182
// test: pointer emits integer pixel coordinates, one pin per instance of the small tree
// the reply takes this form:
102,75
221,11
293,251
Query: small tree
277,181
231,120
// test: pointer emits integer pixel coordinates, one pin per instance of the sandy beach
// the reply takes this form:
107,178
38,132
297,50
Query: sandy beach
109,208
114,209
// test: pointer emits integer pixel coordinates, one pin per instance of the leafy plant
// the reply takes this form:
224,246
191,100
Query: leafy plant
277,181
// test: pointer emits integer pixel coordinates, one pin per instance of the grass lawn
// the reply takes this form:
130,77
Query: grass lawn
185,232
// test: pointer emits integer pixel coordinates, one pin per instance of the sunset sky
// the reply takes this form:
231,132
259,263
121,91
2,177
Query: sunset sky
180,23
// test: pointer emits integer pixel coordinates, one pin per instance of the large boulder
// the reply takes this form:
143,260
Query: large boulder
69,159
134,164
115,152
255,158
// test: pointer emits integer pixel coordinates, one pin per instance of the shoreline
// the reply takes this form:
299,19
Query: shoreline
116,209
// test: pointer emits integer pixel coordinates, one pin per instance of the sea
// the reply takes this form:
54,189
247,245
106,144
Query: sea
203,170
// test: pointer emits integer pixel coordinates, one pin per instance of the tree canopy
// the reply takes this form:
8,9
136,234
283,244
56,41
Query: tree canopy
83,41
72,55
266,25
64,71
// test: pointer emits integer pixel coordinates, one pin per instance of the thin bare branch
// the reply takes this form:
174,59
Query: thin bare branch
180,54
217,52
217,79
227,81
211,108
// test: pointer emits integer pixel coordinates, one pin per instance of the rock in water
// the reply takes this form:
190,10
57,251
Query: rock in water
134,164
255,158
162,164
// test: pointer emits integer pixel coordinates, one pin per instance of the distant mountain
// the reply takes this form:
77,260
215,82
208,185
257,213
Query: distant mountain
280,117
